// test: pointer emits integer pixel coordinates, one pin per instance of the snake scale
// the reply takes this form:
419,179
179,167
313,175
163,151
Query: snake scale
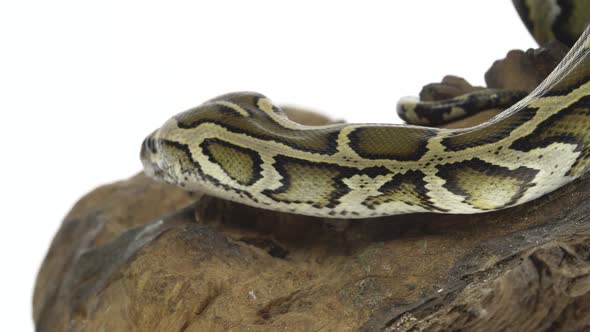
242,147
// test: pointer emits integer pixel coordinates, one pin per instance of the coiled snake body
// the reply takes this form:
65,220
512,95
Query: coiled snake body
243,148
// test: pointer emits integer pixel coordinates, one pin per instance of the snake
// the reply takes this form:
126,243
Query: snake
242,147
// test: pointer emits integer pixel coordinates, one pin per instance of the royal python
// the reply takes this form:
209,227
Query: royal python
242,147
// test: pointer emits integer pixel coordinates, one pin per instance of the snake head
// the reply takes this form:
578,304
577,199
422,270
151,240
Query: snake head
175,152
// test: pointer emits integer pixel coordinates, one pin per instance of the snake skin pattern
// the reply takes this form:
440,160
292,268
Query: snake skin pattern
242,147
549,20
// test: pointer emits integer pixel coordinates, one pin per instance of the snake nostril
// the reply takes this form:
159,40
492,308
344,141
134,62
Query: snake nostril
150,145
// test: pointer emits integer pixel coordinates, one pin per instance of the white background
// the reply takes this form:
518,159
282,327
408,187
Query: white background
82,83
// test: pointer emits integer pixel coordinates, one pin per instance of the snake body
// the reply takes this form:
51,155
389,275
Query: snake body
242,147
436,113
